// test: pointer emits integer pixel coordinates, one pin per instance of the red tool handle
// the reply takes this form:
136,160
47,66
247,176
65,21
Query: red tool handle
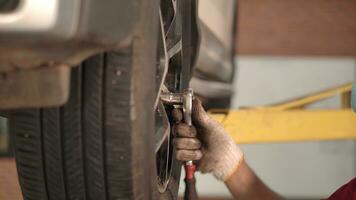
190,189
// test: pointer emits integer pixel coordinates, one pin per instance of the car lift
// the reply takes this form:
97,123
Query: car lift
290,121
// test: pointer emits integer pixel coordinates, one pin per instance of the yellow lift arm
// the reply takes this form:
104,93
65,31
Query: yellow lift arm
289,122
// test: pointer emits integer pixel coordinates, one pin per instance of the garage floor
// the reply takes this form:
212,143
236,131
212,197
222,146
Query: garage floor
8,180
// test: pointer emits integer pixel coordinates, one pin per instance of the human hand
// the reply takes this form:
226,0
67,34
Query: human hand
207,142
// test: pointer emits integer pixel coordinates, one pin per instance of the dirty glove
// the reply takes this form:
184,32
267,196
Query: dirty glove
216,150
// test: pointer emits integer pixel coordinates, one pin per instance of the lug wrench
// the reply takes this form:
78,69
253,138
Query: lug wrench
186,100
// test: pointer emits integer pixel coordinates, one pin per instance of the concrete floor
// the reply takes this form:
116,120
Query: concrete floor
9,185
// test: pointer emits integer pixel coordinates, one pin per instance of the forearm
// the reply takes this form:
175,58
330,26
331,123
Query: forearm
244,184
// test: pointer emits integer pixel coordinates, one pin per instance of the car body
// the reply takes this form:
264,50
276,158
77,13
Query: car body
41,40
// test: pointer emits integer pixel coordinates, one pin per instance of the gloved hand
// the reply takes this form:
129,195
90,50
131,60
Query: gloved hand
206,141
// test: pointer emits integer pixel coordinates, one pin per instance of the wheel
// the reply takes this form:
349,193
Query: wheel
96,146
104,142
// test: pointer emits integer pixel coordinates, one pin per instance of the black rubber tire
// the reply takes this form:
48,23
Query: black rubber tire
93,147
100,144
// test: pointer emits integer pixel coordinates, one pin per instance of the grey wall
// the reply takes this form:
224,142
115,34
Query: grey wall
295,170
265,80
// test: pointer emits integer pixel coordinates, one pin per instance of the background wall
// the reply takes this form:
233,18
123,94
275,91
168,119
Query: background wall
296,27
308,170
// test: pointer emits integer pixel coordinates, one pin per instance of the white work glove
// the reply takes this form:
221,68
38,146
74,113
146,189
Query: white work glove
207,142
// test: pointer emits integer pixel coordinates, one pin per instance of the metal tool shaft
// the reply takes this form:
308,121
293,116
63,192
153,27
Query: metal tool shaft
188,106
190,168
185,99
